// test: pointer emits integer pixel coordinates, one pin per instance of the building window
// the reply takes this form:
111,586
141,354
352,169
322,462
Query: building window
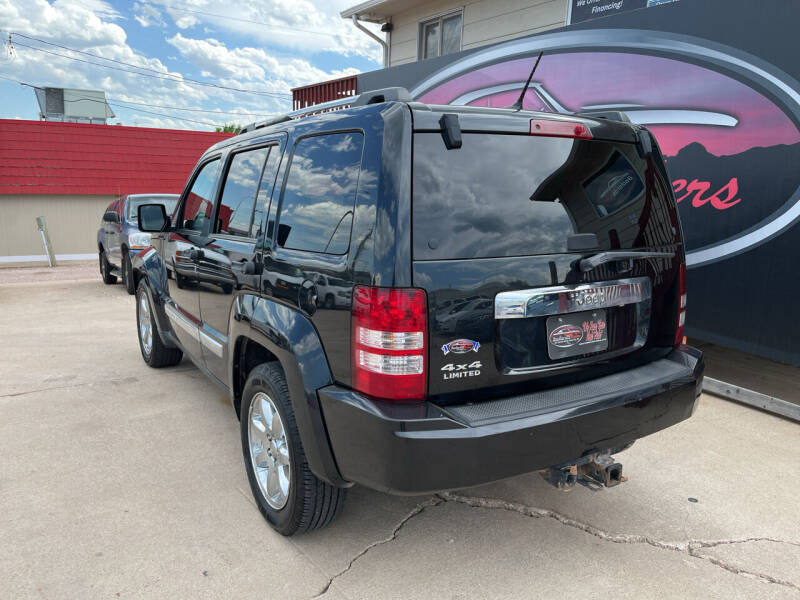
441,35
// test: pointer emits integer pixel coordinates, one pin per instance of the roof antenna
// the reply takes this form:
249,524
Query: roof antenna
518,104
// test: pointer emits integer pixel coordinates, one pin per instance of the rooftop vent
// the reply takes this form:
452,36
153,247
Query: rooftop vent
73,105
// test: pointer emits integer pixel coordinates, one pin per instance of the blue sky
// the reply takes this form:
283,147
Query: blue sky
264,46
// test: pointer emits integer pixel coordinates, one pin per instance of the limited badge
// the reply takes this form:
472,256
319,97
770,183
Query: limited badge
460,347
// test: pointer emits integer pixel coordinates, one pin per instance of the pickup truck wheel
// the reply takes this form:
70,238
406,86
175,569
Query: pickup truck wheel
290,497
105,270
154,352
127,274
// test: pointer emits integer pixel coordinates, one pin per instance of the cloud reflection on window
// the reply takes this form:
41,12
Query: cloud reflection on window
318,199
238,196
475,201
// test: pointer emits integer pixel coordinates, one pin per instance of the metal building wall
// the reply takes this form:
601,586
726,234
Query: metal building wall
317,93
71,220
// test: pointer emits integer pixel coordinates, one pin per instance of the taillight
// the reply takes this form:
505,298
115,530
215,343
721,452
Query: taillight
681,305
389,338
568,129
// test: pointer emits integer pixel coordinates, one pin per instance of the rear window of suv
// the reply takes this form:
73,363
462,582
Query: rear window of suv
475,202
505,195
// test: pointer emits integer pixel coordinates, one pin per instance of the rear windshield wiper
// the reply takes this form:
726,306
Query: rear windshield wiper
587,264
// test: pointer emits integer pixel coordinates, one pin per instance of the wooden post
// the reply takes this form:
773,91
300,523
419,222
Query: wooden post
41,223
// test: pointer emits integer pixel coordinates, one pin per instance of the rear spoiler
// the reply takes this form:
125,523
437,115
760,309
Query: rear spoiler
611,115
644,143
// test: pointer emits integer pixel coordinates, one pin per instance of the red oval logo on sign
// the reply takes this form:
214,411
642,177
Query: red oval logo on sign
566,336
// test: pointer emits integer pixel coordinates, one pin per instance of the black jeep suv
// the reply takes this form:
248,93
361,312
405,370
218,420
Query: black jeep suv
509,296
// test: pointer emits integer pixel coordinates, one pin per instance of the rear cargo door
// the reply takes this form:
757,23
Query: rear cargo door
509,302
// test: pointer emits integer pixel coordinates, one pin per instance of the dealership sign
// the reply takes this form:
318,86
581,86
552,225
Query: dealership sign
722,141
585,10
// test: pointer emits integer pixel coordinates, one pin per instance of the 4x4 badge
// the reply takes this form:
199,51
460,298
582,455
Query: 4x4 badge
460,347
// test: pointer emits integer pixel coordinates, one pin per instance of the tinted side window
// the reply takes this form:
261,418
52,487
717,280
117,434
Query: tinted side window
265,190
320,191
235,211
616,186
199,201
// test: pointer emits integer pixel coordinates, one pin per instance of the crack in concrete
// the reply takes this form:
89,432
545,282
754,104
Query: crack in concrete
691,547
714,543
435,501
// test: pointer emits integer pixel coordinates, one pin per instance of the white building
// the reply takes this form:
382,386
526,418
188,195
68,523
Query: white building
418,29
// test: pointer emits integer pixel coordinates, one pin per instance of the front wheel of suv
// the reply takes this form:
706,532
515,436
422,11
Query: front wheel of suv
154,352
290,497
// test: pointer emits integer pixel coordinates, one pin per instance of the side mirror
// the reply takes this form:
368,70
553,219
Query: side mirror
283,234
111,217
153,218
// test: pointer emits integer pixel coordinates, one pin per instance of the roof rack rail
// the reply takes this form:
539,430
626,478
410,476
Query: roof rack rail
266,123
391,94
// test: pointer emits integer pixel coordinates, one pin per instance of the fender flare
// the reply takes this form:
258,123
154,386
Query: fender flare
148,265
293,340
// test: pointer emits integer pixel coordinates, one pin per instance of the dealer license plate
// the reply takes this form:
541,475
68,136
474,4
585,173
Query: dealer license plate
574,334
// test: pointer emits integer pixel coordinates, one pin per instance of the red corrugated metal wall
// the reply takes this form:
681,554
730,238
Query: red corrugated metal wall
48,157
309,95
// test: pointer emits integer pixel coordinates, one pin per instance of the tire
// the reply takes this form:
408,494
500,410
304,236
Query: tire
154,352
105,270
305,502
127,274
329,301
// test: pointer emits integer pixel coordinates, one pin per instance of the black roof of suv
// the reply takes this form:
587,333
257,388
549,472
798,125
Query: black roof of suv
419,298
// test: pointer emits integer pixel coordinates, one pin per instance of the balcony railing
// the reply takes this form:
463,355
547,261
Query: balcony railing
317,93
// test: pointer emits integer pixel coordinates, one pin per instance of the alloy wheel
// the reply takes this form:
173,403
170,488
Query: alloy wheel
145,324
269,450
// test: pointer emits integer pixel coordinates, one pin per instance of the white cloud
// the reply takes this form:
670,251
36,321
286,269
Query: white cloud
75,26
298,25
95,26
247,65
147,15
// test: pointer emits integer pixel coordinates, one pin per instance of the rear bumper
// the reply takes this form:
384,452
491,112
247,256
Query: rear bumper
421,448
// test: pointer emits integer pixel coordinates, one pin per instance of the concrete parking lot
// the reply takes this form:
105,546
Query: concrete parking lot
120,481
